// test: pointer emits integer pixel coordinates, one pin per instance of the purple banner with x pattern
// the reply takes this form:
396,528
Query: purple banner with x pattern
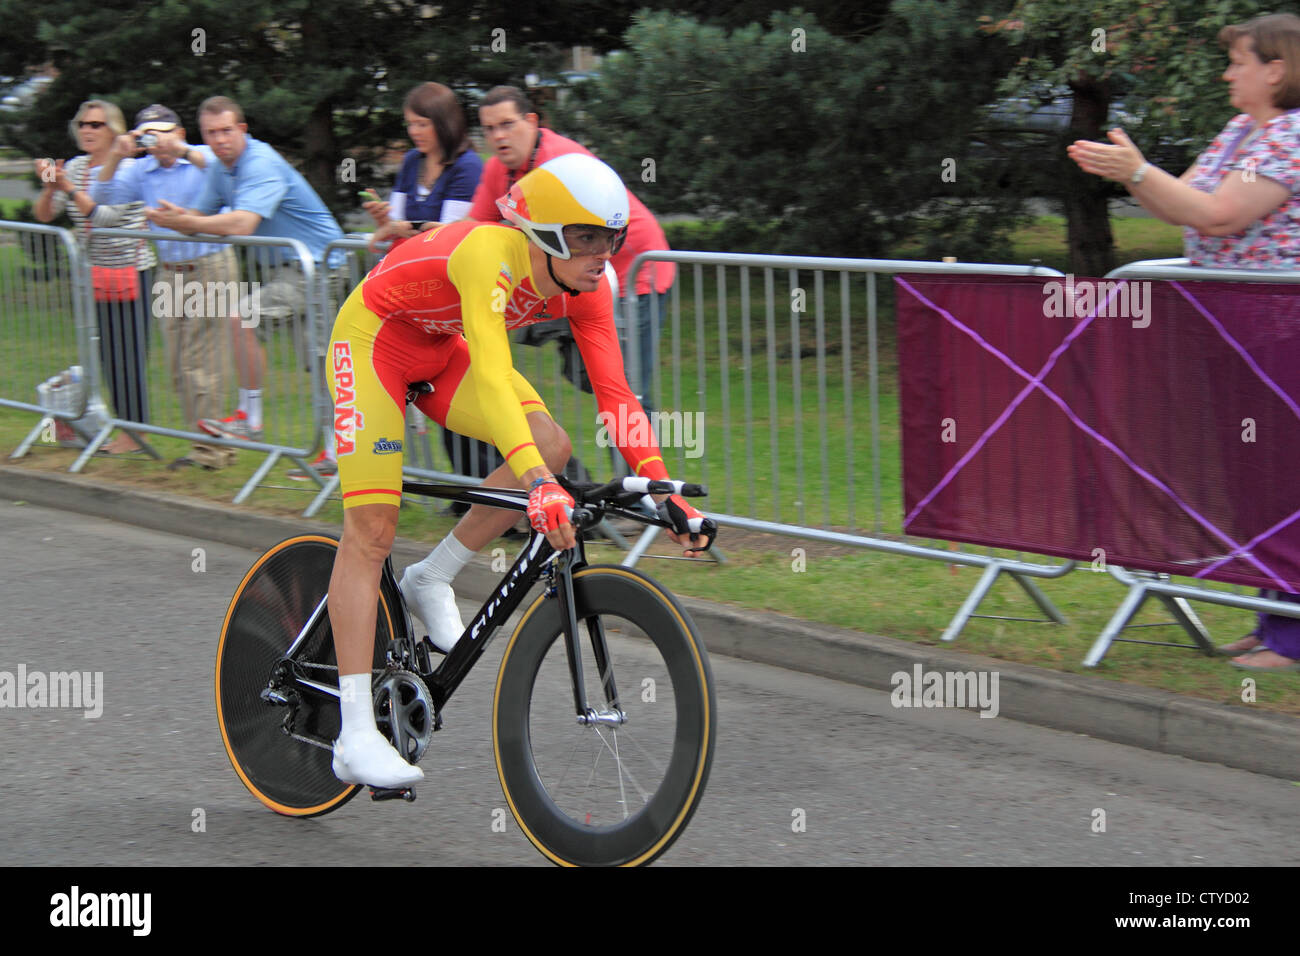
1149,424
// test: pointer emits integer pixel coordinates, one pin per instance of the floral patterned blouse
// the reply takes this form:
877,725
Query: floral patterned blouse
1272,242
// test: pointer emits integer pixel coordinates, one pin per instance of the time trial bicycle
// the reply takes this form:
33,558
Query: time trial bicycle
612,780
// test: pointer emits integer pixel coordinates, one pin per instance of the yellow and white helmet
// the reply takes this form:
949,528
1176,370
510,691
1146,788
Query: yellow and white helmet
570,190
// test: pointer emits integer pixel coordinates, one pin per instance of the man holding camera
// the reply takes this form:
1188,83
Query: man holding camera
170,170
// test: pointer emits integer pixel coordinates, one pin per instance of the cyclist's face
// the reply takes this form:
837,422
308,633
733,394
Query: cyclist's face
510,135
582,270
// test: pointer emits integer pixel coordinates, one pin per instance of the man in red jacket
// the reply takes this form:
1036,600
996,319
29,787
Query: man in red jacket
520,143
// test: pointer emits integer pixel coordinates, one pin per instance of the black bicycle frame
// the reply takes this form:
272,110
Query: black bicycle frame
537,558
528,568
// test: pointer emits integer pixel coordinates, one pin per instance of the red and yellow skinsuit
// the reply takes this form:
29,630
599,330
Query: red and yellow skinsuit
438,309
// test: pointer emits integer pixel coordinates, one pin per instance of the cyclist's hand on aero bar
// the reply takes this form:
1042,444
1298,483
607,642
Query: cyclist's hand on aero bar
691,529
549,510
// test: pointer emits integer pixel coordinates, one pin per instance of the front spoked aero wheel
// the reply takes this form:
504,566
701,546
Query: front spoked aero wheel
277,748
620,790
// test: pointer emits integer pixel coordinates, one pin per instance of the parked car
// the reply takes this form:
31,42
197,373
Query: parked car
23,95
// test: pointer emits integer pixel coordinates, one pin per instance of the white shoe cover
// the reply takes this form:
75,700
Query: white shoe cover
435,606
368,758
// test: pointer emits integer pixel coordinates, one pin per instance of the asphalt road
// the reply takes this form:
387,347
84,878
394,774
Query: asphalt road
871,783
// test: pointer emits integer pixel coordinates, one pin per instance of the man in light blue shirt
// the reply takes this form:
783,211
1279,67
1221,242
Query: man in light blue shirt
263,196
194,325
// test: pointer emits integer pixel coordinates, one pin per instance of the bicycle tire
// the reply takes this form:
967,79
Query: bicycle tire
272,603
566,817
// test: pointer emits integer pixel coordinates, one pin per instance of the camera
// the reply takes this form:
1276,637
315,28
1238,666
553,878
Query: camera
148,140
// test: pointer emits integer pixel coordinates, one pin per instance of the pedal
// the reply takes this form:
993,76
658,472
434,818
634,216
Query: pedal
424,653
399,793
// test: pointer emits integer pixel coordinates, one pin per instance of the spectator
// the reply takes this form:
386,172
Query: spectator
265,196
1240,208
436,184
197,343
519,143
119,295
438,177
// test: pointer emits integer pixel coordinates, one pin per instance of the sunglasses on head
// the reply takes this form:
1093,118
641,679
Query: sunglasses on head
91,124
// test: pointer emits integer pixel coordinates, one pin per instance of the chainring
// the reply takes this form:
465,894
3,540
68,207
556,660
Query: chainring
404,712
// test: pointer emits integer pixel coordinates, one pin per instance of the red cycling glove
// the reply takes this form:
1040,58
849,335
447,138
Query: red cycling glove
549,506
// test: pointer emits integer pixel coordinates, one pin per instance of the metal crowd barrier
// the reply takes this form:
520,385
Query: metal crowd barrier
1141,585
43,320
742,378
40,298
757,381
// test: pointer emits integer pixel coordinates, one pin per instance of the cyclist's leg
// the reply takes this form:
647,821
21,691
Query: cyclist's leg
426,585
366,414
455,405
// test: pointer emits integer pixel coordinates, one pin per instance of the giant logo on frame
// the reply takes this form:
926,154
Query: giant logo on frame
347,420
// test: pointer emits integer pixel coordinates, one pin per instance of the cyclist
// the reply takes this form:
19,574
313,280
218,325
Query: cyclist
437,309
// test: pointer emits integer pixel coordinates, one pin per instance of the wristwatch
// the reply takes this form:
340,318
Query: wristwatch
1139,173
417,225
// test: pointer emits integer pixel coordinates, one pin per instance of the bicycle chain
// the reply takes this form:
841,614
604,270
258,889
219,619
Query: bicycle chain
319,667
308,740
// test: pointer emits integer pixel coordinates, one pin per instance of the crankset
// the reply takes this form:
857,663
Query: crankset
404,712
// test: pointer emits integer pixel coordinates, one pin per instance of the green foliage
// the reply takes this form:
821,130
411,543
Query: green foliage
842,143
320,80
1162,57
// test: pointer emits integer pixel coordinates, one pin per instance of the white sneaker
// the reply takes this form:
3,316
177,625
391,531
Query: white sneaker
368,758
435,606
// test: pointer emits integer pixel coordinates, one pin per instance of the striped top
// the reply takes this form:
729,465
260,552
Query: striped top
105,251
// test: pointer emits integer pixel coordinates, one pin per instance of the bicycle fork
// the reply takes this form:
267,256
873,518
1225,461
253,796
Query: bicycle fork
613,714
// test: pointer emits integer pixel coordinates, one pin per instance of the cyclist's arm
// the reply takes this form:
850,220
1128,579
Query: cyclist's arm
592,322
474,269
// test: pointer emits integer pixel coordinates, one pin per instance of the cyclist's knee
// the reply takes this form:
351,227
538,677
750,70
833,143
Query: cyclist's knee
369,530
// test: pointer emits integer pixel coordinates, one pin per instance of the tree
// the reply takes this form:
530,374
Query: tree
1160,56
320,80
826,144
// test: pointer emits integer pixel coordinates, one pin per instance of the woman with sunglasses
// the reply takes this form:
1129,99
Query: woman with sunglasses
120,310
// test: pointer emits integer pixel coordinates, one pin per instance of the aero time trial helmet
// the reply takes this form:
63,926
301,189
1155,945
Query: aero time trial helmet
570,190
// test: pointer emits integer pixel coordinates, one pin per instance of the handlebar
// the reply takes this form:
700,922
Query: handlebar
630,485
631,490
